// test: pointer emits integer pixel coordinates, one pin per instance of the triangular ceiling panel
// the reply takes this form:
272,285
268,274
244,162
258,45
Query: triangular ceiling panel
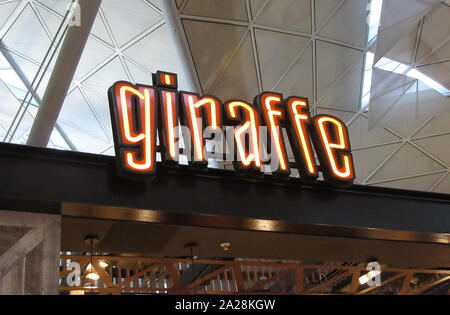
346,92
387,90
32,42
397,20
407,100
323,9
438,72
294,15
276,52
435,146
367,160
9,106
23,130
332,63
242,69
423,183
93,55
299,80
360,137
385,109
342,115
6,9
76,112
50,18
155,52
138,74
348,24
438,125
431,103
230,9
83,141
179,3
29,70
408,161
105,77
404,49
58,6
257,5
129,20
384,81
441,54
444,185
100,31
222,40
435,31
100,105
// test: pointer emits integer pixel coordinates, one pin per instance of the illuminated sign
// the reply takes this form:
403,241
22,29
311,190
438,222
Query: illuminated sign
183,123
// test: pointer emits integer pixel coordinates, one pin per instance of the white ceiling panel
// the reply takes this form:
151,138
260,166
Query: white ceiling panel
128,19
345,92
414,183
361,138
30,41
436,146
408,161
213,45
294,15
239,79
277,52
443,185
333,62
348,24
76,112
368,160
230,9
298,80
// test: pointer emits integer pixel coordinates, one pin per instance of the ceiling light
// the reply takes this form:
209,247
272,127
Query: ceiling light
92,276
225,245
103,264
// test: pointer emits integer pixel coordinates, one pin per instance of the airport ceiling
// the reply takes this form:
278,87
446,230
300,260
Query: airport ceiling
380,66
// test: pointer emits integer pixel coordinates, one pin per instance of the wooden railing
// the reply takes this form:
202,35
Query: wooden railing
131,275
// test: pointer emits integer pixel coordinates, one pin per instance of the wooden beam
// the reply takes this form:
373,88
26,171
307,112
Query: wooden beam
261,284
195,283
174,274
428,286
136,276
20,249
400,275
299,280
355,282
237,275
406,283
329,281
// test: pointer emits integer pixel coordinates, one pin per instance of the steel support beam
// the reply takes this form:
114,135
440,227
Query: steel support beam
63,73
36,97
176,31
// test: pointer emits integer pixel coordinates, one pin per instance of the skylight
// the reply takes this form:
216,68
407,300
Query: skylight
388,64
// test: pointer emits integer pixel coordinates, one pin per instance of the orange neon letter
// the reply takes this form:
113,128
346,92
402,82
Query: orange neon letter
273,117
169,108
298,122
134,112
246,118
195,111
333,149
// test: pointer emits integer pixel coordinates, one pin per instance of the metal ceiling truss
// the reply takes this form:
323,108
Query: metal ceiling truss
133,275
78,83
